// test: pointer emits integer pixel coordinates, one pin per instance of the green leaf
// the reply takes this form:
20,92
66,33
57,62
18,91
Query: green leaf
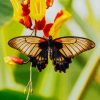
5,11
14,95
66,3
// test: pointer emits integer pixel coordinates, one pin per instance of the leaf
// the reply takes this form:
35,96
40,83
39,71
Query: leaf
5,11
66,3
13,95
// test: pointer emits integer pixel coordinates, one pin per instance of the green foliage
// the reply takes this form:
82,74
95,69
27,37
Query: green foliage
5,11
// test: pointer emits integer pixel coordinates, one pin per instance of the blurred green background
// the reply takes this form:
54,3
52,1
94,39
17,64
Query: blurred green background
82,79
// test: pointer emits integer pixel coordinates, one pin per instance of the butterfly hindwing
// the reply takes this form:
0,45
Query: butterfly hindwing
72,46
61,63
41,60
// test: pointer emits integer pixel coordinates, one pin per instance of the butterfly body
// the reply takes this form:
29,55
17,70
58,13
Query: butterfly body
60,50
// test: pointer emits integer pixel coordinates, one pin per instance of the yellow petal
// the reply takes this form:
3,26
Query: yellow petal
8,60
12,63
37,9
17,9
56,35
55,29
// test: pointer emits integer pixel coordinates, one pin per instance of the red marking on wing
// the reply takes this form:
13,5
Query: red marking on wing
58,40
41,40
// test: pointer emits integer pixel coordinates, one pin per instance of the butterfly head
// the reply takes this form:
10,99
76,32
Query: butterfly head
50,37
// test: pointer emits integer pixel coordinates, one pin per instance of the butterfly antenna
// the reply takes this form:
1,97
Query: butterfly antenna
28,88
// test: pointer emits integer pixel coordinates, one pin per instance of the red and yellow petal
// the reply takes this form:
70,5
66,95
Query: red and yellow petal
59,14
26,21
13,60
49,3
25,10
60,19
25,2
46,29
39,25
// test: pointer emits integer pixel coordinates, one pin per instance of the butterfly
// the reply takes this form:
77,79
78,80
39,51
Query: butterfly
60,50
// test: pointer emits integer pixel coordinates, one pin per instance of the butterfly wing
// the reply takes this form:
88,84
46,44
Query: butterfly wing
72,46
33,47
66,48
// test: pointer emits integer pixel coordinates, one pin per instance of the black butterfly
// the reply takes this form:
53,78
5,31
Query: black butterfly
60,50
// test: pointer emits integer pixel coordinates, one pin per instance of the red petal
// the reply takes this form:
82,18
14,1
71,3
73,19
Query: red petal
26,21
21,21
47,29
58,15
49,3
39,25
16,60
25,9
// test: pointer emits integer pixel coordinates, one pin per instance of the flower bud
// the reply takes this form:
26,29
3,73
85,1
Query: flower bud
13,60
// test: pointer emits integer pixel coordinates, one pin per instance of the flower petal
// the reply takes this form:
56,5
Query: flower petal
25,9
61,17
37,9
26,21
13,60
47,29
39,25
25,2
49,3
17,9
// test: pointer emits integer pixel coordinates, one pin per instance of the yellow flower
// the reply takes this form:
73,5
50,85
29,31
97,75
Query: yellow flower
17,9
37,9
60,19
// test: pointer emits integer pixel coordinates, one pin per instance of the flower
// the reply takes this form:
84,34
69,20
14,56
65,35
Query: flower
37,9
25,11
13,60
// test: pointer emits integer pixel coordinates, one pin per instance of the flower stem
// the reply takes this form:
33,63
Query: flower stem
28,88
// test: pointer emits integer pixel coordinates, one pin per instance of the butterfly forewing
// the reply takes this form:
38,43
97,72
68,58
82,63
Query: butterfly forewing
72,46
29,45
